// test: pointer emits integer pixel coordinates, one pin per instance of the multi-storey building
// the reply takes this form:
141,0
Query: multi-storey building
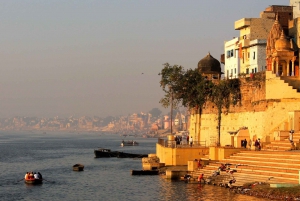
246,54
231,58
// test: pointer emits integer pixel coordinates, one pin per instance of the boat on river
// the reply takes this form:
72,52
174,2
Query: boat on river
105,153
144,172
129,143
130,155
78,167
33,181
31,178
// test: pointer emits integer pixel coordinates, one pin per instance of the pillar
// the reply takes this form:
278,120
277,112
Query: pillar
293,67
287,68
277,67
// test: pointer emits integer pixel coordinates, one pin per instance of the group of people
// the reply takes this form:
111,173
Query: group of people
257,145
33,175
189,140
178,139
244,143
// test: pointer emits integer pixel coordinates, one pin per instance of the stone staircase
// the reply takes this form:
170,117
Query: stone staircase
292,81
256,166
284,145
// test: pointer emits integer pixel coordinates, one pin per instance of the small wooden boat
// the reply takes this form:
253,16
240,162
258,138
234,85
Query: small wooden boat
144,172
33,181
78,167
129,143
105,153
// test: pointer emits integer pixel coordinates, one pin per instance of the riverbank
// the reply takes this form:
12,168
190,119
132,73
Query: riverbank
263,190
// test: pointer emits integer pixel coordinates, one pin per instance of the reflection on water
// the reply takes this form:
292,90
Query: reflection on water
54,155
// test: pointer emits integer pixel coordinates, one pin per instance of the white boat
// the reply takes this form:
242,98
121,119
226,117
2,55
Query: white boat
129,143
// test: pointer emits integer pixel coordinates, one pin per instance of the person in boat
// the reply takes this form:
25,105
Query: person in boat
26,175
36,176
40,175
31,175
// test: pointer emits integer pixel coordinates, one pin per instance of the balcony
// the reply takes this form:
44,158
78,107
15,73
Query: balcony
242,23
245,42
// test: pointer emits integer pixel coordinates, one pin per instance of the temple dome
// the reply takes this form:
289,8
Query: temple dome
209,65
273,36
282,43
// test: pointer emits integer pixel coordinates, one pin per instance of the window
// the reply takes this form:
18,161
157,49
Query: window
247,71
231,53
248,55
235,71
253,55
243,56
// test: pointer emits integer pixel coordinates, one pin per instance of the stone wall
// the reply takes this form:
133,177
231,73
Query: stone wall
261,115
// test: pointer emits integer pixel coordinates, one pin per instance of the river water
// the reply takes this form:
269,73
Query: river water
53,154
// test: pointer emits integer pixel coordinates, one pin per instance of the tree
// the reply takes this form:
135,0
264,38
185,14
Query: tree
170,80
155,112
223,94
188,88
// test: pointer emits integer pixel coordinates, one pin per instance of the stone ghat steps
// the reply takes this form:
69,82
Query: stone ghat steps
258,166
270,153
265,159
292,81
267,171
244,167
222,178
266,162
280,145
243,178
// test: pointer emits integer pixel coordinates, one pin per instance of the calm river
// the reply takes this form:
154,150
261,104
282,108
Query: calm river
54,154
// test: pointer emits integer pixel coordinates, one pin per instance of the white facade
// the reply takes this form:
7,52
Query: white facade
257,55
231,68
296,8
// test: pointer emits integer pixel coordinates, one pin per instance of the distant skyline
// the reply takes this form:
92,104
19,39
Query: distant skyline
63,58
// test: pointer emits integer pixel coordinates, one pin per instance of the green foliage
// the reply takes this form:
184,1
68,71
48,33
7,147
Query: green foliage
187,88
193,90
170,82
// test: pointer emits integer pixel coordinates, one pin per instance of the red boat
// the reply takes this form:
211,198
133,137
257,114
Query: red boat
33,181
33,178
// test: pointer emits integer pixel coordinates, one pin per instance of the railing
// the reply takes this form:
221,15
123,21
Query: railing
181,144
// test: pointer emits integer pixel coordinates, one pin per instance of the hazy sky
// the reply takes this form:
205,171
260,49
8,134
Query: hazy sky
87,57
